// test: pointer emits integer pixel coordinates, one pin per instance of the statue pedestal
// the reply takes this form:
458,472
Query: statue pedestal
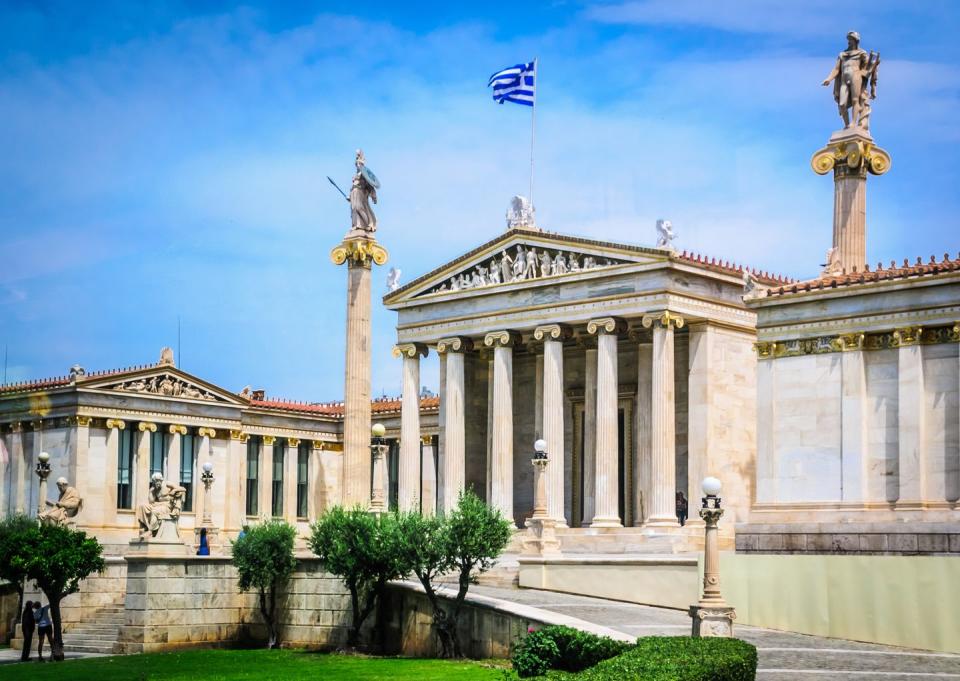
540,538
167,542
712,621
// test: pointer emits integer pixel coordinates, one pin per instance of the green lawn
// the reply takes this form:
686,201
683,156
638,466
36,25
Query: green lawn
228,665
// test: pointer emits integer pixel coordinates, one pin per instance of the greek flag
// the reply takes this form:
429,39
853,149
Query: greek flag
516,84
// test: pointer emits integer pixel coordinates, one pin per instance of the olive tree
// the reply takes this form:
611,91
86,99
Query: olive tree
264,558
13,532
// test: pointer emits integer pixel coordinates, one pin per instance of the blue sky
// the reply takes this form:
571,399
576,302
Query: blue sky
165,160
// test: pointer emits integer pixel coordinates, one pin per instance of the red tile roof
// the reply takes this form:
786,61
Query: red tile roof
727,267
881,273
382,405
61,381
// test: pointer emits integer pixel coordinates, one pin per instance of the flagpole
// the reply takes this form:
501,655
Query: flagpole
533,122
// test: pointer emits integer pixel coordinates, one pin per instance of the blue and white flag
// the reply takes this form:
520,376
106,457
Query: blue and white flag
516,84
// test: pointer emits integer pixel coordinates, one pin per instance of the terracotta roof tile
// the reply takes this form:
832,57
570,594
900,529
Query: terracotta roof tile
383,405
736,269
61,381
881,273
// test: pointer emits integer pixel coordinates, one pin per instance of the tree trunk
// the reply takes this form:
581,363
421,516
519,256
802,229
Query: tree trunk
353,636
56,647
268,619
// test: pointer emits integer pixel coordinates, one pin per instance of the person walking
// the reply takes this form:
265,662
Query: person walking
27,627
682,509
44,628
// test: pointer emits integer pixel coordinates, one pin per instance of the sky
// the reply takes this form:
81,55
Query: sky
165,163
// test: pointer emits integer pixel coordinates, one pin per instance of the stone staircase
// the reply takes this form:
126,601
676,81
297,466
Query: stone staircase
98,634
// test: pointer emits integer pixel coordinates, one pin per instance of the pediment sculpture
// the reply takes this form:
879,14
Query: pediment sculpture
523,263
165,385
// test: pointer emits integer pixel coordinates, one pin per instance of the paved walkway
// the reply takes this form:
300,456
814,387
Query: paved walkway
783,656
9,656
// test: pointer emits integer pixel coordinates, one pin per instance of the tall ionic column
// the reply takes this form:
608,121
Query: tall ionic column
641,490
359,251
408,473
663,472
454,421
553,336
291,468
914,465
108,513
174,452
141,477
589,469
607,513
501,455
17,502
428,477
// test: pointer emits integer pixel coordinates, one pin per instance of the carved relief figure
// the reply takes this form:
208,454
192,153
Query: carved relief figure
559,264
66,507
530,271
164,502
494,276
854,78
573,263
506,267
545,264
519,263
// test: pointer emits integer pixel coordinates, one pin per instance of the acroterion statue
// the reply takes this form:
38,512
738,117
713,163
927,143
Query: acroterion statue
66,507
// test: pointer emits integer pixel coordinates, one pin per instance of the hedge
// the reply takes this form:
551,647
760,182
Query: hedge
563,648
679,658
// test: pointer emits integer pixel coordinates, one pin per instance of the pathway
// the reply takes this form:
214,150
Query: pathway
784,656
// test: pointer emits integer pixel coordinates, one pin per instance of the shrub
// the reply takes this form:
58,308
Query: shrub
679,658
563,648
264,558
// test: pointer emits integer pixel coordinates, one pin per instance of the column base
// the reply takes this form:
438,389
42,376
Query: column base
540,539
662,522
606,522
712,621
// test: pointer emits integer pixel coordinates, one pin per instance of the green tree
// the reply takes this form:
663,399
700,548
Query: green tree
57,559
264,558
13,531
466,543
362,549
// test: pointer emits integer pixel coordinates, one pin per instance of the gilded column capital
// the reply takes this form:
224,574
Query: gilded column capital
454,344
79,421
239,435
268,440
846,342
851,157
359,252
908,335
16,427
293,441
317,444
665,319
410,350
765,349
505,338
426,439
144,426
203,431
955,333
116,423
609,325
555,332
175,429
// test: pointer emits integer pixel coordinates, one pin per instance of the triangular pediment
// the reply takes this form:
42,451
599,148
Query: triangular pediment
521,257
163,381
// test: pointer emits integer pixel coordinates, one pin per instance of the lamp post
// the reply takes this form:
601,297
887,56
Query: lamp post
378,448
541,538
43,472
711,616
207,479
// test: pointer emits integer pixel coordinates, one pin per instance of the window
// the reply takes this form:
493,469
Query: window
125,469
277,498
303,469
253,474
188,459
159,442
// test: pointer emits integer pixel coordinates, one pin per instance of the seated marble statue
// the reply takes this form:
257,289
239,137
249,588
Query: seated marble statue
164,502
66,507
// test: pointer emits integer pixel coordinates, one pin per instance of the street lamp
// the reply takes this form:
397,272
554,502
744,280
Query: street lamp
540,461
378,448
541,539
43,472
711,616
206,477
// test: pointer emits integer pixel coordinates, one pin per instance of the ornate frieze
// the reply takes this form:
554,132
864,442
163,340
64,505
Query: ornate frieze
165,385
846,342
522,264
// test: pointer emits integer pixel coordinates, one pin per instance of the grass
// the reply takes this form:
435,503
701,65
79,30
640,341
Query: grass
237,665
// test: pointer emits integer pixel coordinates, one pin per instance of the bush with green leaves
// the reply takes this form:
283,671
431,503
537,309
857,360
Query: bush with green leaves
264,558
13,533
563,648
679,658
363,549
465,542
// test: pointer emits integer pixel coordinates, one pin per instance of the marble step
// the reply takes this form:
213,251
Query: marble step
106,648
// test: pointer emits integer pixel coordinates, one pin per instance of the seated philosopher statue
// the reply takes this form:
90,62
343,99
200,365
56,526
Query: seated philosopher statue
164,502
66,507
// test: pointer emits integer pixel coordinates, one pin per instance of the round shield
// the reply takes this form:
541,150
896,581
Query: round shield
370,177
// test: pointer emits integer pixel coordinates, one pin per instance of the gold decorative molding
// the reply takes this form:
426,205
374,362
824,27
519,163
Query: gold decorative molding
851,155
268,440
79,421
326,446
144,426
955,333
454,344
556,332
504,339
116,423
239,435
610,325
665,319
846,342
907,335
764,350
293,441
359,252
410,350
17,427
176,428
203,431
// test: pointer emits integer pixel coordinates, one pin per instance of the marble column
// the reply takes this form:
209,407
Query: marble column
18,476
205,454
428,476
854,448
501,458
607,489
359,251
265,490
911,407
553,336
108,514
663,472
174,452
316,496
488,477
408,469
5,483
589,469
290,465
454,421
641,492
699,415
236,476
80,464
141,477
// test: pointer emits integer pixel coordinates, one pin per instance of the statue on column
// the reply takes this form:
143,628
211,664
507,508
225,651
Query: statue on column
66,507
164,503
363,190
854,79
